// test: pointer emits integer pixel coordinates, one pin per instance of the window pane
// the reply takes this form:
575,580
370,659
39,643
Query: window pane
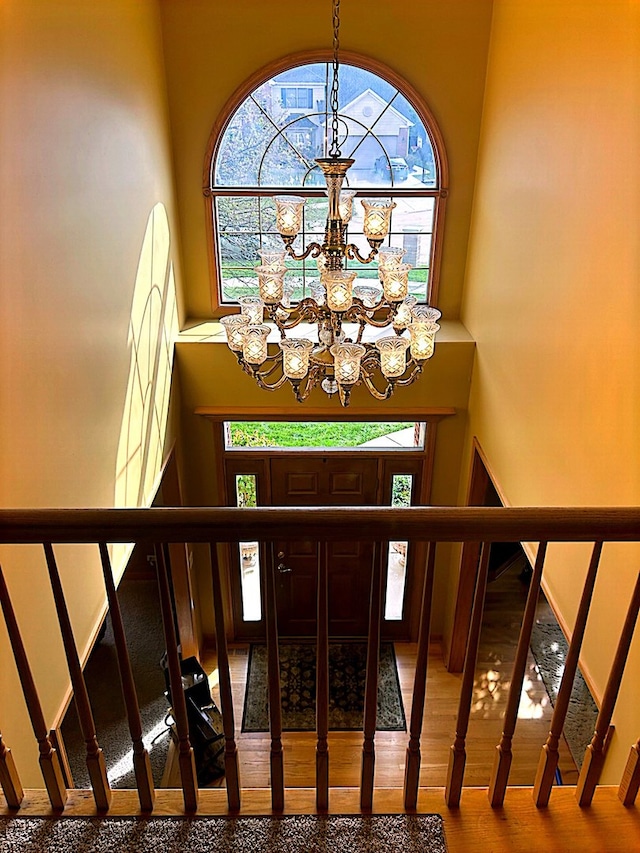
397,435
243,146
401,487
275,134
249,553
419,155
273,139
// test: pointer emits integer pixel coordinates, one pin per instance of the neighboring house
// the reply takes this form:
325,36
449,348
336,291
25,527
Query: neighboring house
300,90
375,129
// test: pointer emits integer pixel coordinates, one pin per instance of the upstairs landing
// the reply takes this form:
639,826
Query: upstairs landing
606,827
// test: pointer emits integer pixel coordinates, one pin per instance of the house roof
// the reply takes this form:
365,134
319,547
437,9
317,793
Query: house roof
315,73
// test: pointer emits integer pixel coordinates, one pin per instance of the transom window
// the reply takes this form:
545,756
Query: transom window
267,143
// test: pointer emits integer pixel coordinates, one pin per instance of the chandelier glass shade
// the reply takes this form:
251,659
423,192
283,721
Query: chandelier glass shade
343,343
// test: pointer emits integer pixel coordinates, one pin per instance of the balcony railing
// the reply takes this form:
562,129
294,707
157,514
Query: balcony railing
163,526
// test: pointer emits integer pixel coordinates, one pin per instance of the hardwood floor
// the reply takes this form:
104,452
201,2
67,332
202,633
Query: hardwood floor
517,827
504,605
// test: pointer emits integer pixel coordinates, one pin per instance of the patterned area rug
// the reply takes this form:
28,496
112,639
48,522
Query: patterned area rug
291,834
347,673
550,648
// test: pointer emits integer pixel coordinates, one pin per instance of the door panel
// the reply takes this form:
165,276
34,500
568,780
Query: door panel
313,480
296,575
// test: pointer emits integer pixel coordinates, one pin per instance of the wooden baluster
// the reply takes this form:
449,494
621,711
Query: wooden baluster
141,763
371,684
273,679
232,771
458,755
549,755
186,760
594,754
57,742
322,683
630,783
413,757
9,779
95,757
49,759
503,757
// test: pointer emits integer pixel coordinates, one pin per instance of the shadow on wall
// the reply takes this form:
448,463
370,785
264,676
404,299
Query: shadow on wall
152,331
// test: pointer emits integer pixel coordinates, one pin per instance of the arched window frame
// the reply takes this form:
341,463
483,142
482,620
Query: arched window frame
439,193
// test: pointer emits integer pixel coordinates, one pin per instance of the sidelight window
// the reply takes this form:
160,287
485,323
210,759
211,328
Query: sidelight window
249,553
401,490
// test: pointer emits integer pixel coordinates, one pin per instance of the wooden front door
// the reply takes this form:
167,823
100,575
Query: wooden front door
317,478
323,480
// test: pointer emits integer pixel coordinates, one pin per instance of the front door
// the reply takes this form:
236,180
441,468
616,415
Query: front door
331,480
317,478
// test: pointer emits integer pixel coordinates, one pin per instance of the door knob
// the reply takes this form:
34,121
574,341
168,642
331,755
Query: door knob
284,570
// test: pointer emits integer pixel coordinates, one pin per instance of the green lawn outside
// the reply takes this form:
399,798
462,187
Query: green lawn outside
263,434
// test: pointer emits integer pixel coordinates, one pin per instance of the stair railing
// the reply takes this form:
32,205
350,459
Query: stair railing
214,526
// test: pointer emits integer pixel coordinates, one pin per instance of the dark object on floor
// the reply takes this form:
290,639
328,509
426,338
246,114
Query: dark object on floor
206,731
145,640
347,674
293,834
550,648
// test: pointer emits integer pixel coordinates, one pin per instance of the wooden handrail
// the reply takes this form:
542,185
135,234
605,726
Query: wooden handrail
230,524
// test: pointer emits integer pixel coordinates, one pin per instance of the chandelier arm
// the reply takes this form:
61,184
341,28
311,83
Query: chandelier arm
312,379
269,386
371,388
415,372
261,375
313,249
379,324
352,252
306,309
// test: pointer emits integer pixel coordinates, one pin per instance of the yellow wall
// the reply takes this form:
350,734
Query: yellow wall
85,182
552,293
212,48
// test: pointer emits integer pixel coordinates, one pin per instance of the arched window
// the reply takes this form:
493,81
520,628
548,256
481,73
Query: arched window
265,142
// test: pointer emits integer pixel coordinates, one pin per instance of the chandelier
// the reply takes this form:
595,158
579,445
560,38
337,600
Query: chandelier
339,358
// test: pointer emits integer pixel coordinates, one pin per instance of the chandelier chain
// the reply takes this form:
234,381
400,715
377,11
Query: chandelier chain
335,104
